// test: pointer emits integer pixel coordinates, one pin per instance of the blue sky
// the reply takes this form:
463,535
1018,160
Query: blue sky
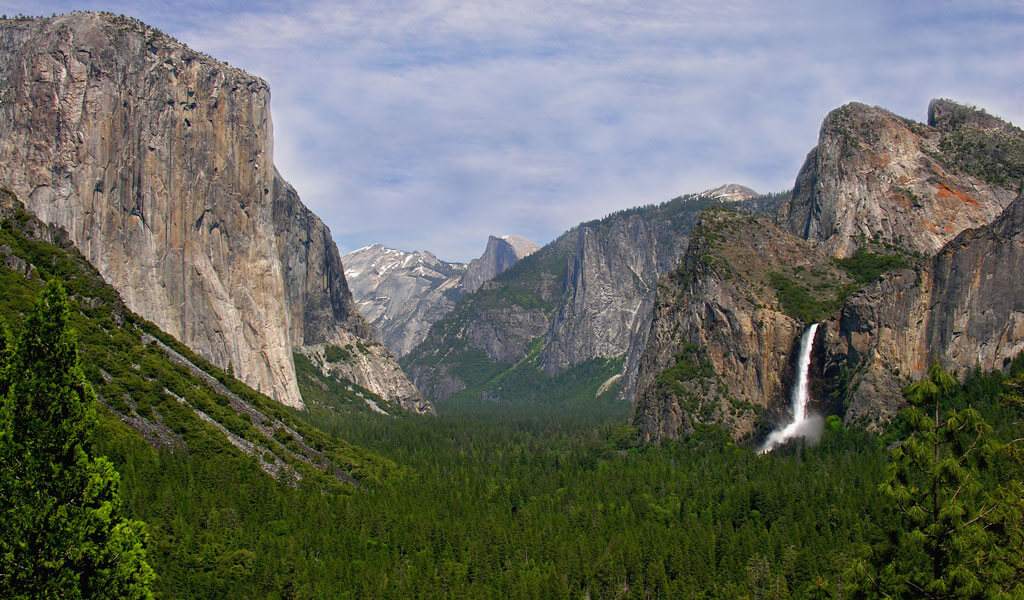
429,125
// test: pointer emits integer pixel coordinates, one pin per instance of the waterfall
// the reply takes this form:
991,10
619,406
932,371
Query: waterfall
798,427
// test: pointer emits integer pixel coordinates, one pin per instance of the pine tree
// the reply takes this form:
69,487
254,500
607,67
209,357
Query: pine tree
62,535
957,532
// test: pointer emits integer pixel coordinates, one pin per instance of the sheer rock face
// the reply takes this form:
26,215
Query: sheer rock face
963,308
321,305
158,161
719,345
501,253
401,293
583,296
874,175
609,278
720,348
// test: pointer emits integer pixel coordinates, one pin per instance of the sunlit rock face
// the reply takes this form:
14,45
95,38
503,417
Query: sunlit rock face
963,308
501,253
401,294
875,176
158,161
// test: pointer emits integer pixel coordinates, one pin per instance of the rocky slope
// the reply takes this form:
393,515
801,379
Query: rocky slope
963,308
152,386
158,161
501,253
891,264
877,176
566,313
722,341
402,293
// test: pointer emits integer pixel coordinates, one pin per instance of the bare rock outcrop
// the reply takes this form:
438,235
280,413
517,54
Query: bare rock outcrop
722,343
963,308
158,161
501,253
875,176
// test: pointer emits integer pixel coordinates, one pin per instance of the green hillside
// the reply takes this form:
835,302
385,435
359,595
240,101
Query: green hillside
449,366
206,461
523,502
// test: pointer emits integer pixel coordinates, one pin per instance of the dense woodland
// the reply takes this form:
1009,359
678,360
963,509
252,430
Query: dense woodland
548,499
545,505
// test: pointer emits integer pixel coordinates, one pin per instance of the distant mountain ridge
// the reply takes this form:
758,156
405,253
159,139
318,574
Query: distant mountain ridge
562,318
401,294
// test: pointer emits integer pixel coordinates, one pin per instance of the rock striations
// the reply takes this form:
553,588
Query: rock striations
158,161
903,238
402,293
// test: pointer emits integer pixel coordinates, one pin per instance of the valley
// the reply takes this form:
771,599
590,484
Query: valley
810,393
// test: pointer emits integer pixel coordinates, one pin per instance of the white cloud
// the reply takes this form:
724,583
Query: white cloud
428,125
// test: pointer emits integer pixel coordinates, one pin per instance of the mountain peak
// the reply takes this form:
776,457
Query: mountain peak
501,253
948,115
877,176
403,293
730,192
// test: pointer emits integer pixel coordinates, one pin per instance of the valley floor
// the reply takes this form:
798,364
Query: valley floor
548,504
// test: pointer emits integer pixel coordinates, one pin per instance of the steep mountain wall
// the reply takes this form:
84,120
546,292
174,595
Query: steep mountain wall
608,278
722,343
963,308
401,293
158,161
574,305
150,382
877,176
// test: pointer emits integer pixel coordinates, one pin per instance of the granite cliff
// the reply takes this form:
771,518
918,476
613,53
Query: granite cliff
964,308
725,325
559,322
875,176
158,162
403,293
903,238
501,253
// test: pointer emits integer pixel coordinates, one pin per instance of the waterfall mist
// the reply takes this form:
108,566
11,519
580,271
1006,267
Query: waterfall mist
802,425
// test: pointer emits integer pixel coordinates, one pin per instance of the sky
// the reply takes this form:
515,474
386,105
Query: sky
429,125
